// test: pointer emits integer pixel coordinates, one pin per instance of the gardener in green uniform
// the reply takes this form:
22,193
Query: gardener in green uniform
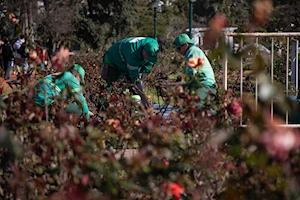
201,80
63,85
128,58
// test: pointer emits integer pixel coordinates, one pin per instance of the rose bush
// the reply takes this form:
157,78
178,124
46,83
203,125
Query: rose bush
127,152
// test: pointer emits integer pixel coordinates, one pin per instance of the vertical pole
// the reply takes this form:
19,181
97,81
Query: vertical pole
272,77
191,19
297,70
242,76
287,74
155,19
25,26
225,63
30,23
256,83
295,46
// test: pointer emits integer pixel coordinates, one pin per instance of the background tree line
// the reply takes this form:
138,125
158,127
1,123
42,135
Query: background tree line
91,22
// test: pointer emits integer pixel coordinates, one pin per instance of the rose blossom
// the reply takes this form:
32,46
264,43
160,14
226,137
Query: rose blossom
235,107
173,189
280,141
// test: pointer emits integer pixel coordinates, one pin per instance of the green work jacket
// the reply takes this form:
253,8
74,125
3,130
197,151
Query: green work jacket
60,85
126,56
205,75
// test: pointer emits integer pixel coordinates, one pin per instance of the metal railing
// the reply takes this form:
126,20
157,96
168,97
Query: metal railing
276,42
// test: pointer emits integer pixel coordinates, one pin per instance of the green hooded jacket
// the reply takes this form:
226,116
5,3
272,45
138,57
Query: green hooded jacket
206,74
126,56
61,85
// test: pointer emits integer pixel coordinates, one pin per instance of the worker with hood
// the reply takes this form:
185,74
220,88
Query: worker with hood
63,85
129,58
199,75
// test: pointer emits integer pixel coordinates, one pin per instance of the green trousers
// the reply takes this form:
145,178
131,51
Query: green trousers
73,108
203,93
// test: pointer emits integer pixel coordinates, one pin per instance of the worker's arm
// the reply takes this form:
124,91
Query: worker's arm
146,67
139,90
81,101
134,72
76,92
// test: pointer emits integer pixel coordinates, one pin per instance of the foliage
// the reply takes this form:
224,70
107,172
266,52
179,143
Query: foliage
123,152
280,21
91,23
128,152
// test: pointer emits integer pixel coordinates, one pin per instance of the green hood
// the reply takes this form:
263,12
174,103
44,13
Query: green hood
80,70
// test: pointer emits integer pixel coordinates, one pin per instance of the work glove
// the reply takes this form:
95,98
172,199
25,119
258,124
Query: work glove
91,114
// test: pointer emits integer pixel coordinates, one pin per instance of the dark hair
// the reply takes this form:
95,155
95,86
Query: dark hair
75,73
22,36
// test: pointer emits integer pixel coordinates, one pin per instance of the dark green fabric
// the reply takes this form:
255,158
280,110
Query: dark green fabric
112,75
126,56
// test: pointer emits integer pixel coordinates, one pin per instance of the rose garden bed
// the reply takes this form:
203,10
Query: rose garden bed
190,155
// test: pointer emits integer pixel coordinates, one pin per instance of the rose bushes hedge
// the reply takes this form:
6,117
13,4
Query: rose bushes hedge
127,152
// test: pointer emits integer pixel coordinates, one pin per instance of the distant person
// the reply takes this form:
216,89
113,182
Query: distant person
43,56
201,79
129,58
63,85
21,54
8,57
49,47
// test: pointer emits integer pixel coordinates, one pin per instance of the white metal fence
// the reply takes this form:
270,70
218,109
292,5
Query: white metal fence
281,48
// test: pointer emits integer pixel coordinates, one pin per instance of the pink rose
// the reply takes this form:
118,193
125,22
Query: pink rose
280,142
235,107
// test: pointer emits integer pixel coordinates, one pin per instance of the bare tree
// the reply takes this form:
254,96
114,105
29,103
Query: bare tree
56,21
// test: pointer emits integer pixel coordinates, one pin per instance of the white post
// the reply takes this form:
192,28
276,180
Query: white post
241,82
287,75
225,63
272,77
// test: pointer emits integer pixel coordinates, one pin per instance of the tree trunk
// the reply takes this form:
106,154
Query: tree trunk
25,10
30,20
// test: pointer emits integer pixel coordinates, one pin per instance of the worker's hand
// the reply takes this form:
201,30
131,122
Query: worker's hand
91,114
